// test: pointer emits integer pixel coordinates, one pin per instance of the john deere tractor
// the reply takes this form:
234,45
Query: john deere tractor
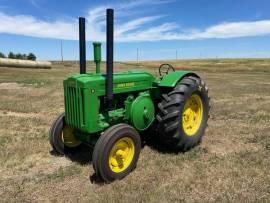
109,111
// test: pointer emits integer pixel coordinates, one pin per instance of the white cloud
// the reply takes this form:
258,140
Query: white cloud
138,29
235,29
30,26
134,24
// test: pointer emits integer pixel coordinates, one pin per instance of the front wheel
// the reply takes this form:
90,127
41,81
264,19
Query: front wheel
116,152
62,137
183,114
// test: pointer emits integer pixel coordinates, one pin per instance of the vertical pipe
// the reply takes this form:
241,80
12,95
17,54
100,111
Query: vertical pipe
97,55
62,57
137,55
82,45
109,63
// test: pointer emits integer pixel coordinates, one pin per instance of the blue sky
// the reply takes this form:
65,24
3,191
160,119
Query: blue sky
158,28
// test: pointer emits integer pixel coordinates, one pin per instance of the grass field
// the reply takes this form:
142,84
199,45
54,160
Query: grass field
231,164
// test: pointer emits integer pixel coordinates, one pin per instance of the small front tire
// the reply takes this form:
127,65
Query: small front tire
116,152
62,137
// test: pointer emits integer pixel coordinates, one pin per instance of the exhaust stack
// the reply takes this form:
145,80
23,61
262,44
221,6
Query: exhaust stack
82,45
109,63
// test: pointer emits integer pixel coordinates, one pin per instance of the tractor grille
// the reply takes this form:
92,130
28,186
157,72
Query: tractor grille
74,114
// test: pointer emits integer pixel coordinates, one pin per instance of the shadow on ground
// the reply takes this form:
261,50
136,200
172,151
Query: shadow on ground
151,139
82,155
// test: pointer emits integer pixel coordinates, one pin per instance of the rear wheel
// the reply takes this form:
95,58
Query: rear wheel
116,152
62,137
183,114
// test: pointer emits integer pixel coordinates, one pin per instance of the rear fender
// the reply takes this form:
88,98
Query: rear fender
172,78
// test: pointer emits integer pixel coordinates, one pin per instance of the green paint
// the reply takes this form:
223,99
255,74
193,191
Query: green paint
142,111
128,103
171,79
83,93
97,55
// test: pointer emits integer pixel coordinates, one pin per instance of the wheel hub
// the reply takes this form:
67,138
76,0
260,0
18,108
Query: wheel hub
121,155
192,115
68,137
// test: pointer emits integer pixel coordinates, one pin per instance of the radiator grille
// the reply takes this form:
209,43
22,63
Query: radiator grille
74,114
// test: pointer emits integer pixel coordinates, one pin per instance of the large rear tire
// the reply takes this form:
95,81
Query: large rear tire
62,137
116,152
183,114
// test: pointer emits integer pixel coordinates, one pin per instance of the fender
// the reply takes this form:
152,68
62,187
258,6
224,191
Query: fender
172,78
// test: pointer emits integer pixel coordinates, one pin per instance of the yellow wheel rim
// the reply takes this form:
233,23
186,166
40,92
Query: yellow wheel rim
121,154
192,115
68,137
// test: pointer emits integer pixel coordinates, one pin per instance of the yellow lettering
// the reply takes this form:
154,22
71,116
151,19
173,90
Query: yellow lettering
128,84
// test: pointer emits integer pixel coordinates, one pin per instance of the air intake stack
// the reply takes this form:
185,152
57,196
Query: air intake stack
82,45
109,64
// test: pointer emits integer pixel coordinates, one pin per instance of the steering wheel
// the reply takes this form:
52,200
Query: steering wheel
164,69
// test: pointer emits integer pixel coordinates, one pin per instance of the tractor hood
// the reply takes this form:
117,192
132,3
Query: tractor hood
122,82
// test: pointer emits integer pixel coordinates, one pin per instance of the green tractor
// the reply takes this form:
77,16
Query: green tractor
110,111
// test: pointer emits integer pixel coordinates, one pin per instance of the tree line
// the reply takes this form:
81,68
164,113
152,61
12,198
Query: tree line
12,55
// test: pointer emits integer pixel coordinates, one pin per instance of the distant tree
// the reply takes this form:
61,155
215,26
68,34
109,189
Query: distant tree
31,56
19,56
2,55
11,55
24,57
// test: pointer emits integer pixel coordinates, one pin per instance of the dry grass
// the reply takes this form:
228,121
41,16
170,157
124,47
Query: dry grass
231,164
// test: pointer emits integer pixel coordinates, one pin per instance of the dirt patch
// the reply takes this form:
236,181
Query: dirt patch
18,114
11,86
